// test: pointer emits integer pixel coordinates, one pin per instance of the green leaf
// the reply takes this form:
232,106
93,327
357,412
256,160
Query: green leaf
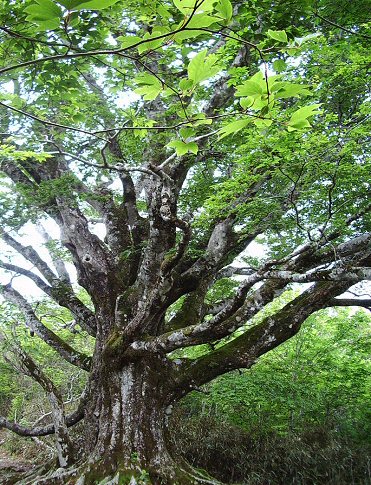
45,14
186,132
94,5
246,102
185,84
70,4
187,7
279,65
289,90
249,88
129,41
262,123
298,125
44,10
200,119
233,127
150,86
299,119
225,9
152,44
192,147
279,35
200,21
45,25
182,148
306,111
201,67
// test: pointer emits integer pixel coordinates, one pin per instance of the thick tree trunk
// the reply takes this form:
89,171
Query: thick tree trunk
126,425
126,416
126,430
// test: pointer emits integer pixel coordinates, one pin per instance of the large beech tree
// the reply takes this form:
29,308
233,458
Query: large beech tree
165,139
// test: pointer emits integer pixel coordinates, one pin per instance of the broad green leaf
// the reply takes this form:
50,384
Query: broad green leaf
70,4
262,122
129,41
289,90
45,14
225,9
95,5
200,119
206,5
185,84
298,125
73,19
299,119
186,132
201,67
279,65
279,35
182,148
149,93
43,10
45,25
246,102
260,102
163,12
187,34
233,127
201,20
152,44
185,6
192,147
150,86
305,112
249,88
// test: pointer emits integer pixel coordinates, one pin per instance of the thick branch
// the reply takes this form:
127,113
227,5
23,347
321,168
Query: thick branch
48,336
365,303
243,351
29,274
71,420
31,255
63,442
58,262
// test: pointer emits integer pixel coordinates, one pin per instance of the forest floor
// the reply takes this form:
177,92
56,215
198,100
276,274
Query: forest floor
9,462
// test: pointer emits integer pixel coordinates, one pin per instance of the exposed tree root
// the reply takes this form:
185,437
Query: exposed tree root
100,474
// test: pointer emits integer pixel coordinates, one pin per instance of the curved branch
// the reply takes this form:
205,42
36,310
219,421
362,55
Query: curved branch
243,351
29,274
31,255
48,336
71,420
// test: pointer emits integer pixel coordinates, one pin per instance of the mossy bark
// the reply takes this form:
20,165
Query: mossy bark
126,427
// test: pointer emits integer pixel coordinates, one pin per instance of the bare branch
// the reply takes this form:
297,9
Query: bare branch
48,336
31,255
350,302
71,420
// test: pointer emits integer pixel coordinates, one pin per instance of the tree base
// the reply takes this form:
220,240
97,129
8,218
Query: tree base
101,474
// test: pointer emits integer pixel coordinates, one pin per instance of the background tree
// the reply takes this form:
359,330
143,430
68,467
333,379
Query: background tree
117,118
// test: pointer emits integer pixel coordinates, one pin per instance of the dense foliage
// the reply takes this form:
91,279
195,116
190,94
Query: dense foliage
183,184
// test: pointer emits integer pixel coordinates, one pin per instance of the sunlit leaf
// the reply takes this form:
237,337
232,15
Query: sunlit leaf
225,9
182,148
94,4
233,127
202,67
279,35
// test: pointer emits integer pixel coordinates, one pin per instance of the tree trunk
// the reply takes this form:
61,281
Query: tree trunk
126,425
